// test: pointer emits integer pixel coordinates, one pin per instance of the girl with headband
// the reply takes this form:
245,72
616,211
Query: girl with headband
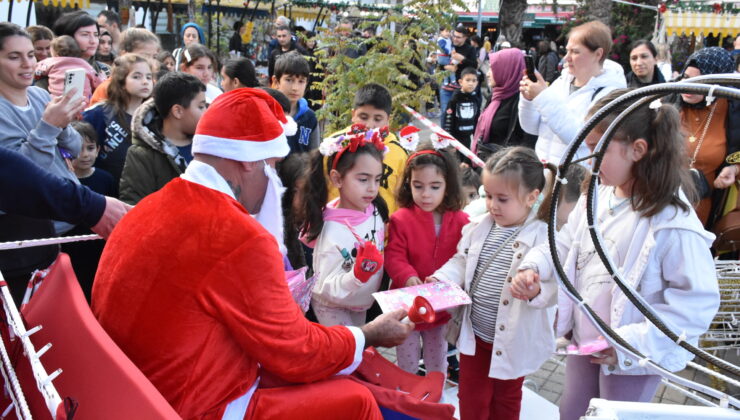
348,231
423,235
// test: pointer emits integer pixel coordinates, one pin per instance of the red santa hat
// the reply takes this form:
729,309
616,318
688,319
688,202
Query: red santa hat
245,124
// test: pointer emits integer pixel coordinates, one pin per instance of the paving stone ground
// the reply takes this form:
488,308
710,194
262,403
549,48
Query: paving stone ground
548,381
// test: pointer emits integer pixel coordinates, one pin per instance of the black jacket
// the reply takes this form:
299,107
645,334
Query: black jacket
471,58
31,196
634,82
505,128
461,116
277,52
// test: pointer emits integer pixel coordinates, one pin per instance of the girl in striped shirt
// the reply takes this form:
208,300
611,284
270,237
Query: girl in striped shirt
502,338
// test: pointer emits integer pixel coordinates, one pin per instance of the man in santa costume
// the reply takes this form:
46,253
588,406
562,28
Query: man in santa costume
191,286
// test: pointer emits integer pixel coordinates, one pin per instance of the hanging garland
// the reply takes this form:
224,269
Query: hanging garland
343,6
692,6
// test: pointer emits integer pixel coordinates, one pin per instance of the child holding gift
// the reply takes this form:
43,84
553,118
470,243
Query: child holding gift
354,222
501,339
423,235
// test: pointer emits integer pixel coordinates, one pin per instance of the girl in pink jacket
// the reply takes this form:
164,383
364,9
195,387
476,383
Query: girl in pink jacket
423,235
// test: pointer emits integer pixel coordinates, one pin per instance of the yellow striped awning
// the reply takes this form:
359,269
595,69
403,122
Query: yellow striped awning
62,3
700,23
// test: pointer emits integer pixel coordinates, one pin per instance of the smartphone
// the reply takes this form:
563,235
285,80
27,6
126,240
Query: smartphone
529,63
74,78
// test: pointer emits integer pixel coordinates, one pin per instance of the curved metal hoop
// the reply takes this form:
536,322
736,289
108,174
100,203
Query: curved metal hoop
704,85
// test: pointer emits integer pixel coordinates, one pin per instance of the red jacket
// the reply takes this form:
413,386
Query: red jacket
414,249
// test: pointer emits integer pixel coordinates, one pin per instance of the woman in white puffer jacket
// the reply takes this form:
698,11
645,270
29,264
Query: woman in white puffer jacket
556,113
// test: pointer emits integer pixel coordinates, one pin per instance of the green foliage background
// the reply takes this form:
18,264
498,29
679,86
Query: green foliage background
384,63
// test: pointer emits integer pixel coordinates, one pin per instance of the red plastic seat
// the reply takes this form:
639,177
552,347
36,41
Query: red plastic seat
403,395
96,373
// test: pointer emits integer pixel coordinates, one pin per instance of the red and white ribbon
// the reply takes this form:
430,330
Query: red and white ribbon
440,132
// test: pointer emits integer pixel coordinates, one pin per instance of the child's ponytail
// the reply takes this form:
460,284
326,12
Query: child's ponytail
543,213
667,135
522,166
315,195
663,170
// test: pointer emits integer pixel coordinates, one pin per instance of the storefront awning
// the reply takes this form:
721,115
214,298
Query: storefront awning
531,20
58,3
701,23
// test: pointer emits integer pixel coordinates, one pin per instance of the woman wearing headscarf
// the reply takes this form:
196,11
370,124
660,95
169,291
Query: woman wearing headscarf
498,125
190,33
711,129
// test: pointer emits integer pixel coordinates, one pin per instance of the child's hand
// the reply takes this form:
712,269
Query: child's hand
608,356
368,262
413,281
525,285
430,279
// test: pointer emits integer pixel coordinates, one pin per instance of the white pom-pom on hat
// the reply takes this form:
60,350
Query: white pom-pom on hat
290,127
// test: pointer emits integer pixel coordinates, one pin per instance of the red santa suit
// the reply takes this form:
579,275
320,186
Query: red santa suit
191,287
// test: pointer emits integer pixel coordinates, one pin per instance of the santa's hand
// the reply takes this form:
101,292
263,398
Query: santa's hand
387,330
525,285
368,262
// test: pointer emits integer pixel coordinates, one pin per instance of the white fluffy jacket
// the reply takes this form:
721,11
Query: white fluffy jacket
335,286
668,263
556,115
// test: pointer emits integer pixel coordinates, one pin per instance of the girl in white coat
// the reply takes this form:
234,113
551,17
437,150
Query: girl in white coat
655,240
502,339
353,223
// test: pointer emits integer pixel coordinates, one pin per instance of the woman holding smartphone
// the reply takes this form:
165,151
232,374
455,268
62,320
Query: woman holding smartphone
555,114
37,126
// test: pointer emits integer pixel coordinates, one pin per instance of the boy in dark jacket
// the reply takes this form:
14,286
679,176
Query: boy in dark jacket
291,78
162,130
462,111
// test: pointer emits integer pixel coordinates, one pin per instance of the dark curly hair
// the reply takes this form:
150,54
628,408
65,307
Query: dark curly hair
447,165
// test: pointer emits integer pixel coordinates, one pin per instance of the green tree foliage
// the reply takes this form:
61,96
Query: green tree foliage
394,59
628,24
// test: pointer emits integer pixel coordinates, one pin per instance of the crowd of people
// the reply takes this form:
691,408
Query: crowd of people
235,189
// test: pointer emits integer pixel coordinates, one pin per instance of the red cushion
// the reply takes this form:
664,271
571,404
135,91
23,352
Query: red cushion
96,373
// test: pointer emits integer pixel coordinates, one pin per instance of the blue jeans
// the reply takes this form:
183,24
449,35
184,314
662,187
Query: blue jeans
444,98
